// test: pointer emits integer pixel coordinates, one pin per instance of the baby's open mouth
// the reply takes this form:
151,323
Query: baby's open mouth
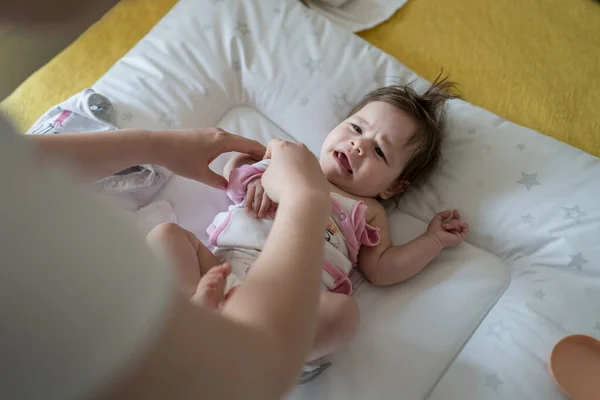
342,159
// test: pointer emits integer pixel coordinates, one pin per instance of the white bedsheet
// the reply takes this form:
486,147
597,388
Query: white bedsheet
256,68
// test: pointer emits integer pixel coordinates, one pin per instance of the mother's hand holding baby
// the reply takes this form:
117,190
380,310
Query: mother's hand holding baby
160,345
188,152
185,152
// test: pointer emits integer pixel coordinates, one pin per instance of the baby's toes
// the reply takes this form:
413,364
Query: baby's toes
210,290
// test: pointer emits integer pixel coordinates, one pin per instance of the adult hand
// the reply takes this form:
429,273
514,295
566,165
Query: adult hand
188,152
292,173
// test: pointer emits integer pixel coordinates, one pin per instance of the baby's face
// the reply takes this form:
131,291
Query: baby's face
365,154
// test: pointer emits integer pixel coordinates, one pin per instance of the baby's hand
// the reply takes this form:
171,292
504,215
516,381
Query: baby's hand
257,201
448,228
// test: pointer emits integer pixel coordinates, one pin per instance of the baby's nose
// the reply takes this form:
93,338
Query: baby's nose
357,145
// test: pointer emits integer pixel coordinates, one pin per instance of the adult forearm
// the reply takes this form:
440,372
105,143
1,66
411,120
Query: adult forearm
100,154
280,293
400,263
195,350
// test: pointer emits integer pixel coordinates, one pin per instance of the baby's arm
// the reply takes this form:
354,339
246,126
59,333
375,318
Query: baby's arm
237,161
257,201
386,264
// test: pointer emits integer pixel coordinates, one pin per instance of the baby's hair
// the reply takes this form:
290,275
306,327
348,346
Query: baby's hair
427,111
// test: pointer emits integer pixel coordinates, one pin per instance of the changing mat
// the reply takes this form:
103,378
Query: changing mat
479,323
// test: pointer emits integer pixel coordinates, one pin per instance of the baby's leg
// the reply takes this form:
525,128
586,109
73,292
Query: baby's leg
189,256
337,323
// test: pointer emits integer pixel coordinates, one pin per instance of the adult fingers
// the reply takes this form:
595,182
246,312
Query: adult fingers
272,144
231,142
456,214
265,206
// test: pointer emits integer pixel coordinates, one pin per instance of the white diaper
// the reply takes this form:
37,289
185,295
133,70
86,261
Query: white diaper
240,260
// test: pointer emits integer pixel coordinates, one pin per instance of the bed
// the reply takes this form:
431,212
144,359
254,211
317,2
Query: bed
480,322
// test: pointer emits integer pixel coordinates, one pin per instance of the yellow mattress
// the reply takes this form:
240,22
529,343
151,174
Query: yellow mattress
536,63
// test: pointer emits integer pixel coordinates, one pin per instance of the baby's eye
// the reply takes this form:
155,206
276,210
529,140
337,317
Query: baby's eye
357,129
379,152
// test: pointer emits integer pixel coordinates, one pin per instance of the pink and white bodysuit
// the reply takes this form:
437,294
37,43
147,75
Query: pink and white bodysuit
240,237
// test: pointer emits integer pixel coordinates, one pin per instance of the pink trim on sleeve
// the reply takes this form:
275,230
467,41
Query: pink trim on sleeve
239,179
355,229
365,233
342,283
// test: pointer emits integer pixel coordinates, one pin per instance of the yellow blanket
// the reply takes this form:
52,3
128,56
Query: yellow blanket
536,63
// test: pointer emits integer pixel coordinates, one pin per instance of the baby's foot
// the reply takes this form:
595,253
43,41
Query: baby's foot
211,288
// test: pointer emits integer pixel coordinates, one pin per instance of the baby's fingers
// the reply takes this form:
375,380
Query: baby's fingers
442,216
453,225
258,198
265,206
456,214
250,197
465,229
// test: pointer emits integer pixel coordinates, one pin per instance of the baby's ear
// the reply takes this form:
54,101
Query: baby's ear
395,189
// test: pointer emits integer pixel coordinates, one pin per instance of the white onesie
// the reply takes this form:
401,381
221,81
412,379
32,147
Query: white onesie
240,237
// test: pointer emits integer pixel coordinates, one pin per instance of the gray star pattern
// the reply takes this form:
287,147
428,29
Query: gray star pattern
128,116
206,27
316,31
242,28
472,132
529,180
341,102
597,326
485,150
497,329
521,146
574,213
277,10
164,118
139,84
528,272
493,381
479,184
304,101
236,66
313,65
528,219
577,261
540,294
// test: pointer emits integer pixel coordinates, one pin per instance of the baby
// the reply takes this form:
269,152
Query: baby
391,139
